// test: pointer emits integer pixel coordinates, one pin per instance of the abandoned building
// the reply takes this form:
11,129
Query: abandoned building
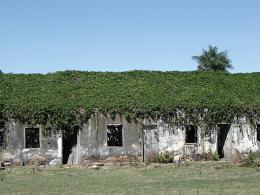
110,137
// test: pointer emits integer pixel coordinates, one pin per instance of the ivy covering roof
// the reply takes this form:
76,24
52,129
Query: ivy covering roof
60,96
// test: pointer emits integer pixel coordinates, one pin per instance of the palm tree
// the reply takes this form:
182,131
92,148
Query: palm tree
212,60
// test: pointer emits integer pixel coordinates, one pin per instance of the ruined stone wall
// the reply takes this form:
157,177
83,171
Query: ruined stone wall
93,138
162,137
15,148
244,138
241,138
138,140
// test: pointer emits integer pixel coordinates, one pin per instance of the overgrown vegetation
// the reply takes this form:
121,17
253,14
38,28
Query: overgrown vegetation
64,99
250,160
163,157
215,156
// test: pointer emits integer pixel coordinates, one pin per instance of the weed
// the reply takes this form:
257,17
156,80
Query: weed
215,156
250,160
164,157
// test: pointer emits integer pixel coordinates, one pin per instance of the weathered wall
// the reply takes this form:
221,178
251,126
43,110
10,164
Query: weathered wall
162,137
93,137
244,138
241,138
208,140
15,148
156,137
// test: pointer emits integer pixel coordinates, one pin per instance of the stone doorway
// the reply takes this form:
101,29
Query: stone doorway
70,146
224,145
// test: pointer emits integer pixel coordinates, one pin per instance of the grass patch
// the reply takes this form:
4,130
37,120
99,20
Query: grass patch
198,178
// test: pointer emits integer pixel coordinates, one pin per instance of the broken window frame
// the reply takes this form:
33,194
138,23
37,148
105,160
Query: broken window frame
196,134
39,137
119,140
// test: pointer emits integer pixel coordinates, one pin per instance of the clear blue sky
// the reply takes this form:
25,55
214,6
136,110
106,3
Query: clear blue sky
117,35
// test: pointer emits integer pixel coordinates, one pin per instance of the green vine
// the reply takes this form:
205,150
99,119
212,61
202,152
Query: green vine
63,100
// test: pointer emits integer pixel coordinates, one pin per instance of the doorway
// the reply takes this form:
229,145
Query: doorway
69,141
222,138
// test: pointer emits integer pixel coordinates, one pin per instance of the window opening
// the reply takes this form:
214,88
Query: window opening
191,134
114,135
32,137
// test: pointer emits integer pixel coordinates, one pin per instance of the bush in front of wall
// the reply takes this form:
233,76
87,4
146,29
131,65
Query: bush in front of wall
164,158
215,156
250,160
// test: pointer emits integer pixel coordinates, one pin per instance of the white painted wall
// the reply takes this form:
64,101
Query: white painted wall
241,137
244,138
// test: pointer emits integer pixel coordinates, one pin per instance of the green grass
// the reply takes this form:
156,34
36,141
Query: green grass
197,178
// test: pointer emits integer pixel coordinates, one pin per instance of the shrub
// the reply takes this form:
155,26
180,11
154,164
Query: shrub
164,157
250,160
215,156
211,156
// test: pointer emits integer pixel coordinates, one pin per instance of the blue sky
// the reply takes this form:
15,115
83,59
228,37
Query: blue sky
118,35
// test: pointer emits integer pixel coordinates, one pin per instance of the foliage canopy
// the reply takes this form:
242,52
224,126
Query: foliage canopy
63,99
212,60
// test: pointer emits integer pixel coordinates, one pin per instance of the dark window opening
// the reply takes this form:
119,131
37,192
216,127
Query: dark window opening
114,135
32,137
222,137
2,125
258,132
191,134
2,138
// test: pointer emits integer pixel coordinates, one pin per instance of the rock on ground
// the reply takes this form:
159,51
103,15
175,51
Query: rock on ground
55,161
17,162
37,160
95,167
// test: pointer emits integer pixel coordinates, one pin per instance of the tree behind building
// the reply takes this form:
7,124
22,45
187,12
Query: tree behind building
212,60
